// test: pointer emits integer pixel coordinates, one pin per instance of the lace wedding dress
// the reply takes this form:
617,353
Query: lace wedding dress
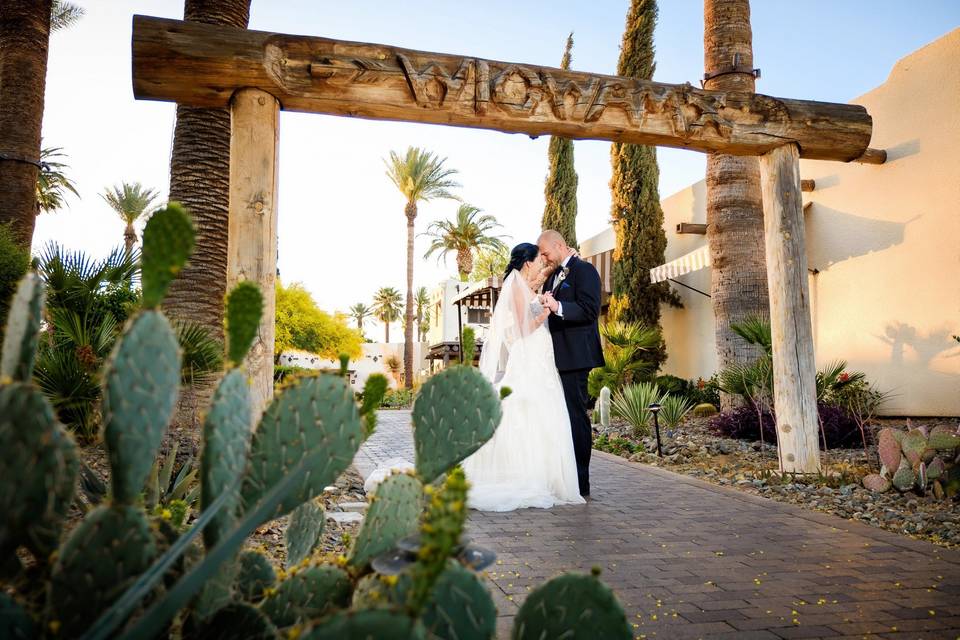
529,461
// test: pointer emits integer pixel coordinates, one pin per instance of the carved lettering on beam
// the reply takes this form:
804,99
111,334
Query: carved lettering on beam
517,90
568,98
614,93
432,84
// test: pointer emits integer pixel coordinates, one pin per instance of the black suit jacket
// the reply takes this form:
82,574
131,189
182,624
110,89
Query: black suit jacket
576,336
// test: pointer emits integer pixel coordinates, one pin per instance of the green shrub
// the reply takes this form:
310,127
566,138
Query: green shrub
14,262
628,351
673,409
632,403
397,399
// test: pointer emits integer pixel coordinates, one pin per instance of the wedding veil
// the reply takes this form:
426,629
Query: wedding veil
512,320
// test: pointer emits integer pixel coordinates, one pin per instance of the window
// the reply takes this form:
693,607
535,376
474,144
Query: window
478,316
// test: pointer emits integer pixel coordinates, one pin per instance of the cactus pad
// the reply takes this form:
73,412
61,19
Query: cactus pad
226,436
237,620
904,477
256,575
942,438
376,591
393,514
876,483
366,625
455,413
15,622
96,564
39,459
303,532
23,329
460,606
935,469
315,417
888,447
167,243
307,594
571,606
141,383
244,308
914,443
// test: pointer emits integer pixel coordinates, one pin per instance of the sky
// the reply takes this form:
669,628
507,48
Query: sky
342,232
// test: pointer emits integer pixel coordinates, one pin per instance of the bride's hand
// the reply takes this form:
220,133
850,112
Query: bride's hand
543,316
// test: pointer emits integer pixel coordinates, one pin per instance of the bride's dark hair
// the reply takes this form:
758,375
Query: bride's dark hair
521,255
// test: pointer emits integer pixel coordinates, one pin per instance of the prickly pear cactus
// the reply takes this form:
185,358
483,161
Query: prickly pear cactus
38,466
167,243
375,591
455,413
374,389
141,383
303,532
244,308
15,622
315,418
943,438
914,443
237,620
22,331
604,407
226,438
571,606
366,625
888,447
460,606
935,469
393,514
256,575
904,477
876,483
307,594
95,565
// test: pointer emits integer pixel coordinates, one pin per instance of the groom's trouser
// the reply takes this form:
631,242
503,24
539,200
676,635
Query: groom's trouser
575,392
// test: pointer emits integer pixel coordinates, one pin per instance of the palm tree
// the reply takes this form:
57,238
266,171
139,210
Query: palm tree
200,180
360,312
386,308
490,263
52,182
470,231
25,27
130,201
422,302
420,176
734,207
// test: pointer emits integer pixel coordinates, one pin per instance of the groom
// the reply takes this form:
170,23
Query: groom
572,293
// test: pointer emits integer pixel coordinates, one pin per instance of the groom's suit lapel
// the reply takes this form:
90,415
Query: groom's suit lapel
552,281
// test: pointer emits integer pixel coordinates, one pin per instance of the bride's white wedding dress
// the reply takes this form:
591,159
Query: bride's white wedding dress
529,461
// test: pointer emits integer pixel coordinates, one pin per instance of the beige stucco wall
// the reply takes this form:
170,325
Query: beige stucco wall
886,242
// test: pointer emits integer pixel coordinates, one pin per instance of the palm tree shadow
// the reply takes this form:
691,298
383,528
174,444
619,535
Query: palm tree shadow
900,335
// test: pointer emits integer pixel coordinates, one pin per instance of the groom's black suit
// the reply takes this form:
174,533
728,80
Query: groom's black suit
577,350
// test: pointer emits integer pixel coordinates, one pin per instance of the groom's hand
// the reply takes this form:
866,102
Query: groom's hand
550,302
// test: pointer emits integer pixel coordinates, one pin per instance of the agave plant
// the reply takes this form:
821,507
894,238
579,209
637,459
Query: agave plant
673,409
632,403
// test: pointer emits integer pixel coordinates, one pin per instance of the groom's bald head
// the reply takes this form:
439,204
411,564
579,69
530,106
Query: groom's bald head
552,246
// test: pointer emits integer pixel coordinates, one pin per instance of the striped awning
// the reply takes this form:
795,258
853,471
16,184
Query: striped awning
693,261
603,263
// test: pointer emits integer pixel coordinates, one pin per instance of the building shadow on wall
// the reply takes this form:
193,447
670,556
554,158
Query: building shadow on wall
899,336
836,236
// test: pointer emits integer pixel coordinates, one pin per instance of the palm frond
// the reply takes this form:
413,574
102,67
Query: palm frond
52,182
64,14
202,353
420,175
754,330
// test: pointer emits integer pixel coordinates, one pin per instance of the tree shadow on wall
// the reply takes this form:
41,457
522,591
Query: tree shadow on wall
835,236
900,335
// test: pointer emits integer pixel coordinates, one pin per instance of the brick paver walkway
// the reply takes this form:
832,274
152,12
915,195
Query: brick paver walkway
688,559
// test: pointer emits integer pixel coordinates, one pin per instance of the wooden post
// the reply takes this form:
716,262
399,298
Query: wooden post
794,369
252,242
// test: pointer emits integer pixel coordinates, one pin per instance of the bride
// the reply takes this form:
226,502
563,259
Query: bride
529,461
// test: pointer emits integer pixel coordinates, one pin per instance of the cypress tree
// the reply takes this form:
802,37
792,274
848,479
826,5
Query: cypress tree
636,213
560,192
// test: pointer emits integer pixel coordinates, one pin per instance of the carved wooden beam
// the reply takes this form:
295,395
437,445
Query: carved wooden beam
203,65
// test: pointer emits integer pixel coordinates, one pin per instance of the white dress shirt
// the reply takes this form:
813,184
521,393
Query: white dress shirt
554,283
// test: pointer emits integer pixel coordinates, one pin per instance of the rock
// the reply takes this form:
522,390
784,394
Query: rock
358,507
345,517
848,489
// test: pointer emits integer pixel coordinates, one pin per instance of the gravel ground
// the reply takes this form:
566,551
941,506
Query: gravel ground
693,450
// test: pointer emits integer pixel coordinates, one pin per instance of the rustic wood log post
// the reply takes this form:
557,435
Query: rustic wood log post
794,368
252,240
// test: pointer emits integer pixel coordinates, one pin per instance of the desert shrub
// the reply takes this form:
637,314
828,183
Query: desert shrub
705,391
282,373
674,385
629,349
14,261
673,409
632,404
616,445
397,399
743,423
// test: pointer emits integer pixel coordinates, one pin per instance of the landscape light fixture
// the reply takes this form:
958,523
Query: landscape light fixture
655,409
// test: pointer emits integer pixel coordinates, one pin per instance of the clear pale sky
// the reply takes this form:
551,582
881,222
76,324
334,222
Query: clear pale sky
341,223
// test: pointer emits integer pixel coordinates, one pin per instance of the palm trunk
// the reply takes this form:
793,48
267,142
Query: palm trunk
386,331
129,239
200,180
411,212
464,263
734,205
24,42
